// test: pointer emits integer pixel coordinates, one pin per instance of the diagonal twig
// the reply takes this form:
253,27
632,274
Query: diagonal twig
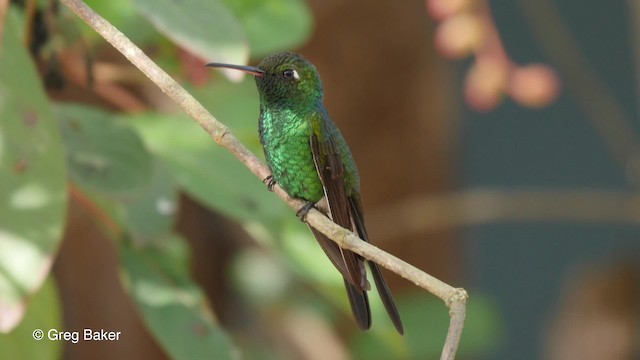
454,298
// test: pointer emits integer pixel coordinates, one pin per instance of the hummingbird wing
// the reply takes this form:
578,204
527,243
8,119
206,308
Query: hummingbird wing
346,210
330,169
331,172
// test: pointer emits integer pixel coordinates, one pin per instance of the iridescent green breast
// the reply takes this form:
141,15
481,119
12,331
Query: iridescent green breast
285,140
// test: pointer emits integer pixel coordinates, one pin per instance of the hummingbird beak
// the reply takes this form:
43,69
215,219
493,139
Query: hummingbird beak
247,69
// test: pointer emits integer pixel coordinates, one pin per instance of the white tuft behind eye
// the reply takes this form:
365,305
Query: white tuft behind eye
290,74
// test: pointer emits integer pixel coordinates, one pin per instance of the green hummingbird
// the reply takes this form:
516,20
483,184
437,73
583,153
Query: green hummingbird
310,160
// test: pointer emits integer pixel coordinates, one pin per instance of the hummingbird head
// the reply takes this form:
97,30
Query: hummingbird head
284,80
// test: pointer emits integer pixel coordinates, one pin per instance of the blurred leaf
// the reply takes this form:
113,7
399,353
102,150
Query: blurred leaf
205,170
33,185
172,306
122,15
259,276
483,327
152,214
426,321
204,27
306,256
296,254
256,350
273,25
42,313
103,154
236,105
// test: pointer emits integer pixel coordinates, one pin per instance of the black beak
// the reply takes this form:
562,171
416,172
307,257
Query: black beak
247,69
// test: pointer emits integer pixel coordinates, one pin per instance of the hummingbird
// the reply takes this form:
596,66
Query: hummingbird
310,160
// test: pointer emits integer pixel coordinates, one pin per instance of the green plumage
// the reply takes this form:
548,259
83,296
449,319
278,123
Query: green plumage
285,135
285,139
310,160
288,118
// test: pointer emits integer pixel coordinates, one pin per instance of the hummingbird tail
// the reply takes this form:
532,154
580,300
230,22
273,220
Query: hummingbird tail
385,296
357,297
359,305
381,284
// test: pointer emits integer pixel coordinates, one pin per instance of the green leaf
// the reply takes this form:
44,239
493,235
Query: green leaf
259,276
125,18
103,154
172,306
204,27
205,170
483,327
42,313
306,257
33,189
235,104
151,215
273,25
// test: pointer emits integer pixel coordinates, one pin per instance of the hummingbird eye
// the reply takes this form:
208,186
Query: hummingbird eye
290,74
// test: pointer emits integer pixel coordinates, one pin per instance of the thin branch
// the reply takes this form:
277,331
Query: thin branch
454,298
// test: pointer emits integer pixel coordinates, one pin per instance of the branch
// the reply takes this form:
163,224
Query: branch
454,298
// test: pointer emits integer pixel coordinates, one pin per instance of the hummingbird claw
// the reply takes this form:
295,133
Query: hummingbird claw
270,182
302,213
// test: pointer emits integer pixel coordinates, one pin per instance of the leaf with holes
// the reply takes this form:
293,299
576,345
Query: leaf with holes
204,169
43,312
103,154
172,306
33,189
151,215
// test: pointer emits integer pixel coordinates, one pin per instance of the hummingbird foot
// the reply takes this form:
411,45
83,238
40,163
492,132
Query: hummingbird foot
303,211
270,182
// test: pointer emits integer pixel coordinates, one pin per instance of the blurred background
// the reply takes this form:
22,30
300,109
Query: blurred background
497,143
